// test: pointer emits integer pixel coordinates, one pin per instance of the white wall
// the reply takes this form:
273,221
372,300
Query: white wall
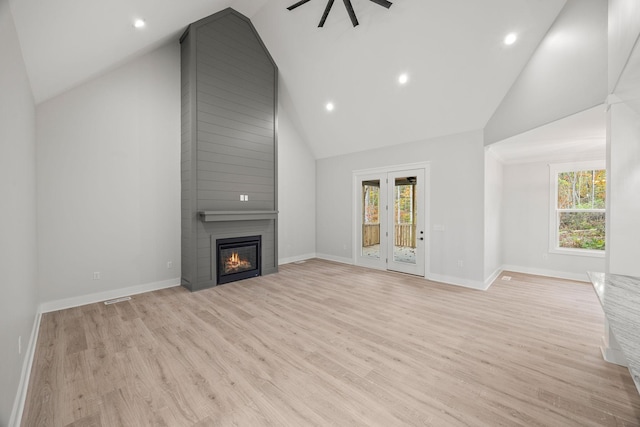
623,191
493,191
296,190
456,201
18,245
565,75
525,232
109,181
623,139
109,184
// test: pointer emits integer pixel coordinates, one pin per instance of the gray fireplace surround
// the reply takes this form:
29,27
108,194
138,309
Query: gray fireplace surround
229,144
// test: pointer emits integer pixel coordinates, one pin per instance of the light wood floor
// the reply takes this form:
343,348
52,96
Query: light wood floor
329,344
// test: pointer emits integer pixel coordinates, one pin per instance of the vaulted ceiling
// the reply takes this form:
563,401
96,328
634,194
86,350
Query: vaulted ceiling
459,69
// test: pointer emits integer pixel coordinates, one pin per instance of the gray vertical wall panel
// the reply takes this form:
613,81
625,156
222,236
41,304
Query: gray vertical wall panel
229,139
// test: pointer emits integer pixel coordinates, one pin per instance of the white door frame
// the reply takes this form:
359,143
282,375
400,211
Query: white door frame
424,207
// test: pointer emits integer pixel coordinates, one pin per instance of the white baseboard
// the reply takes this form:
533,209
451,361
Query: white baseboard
296,258
449,280
21,395
580,277
339,259
613,355
62,304
458,281
489,280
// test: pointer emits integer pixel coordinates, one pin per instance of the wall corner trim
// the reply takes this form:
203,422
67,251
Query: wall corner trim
21,396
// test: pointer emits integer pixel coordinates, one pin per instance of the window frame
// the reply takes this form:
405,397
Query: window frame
554,212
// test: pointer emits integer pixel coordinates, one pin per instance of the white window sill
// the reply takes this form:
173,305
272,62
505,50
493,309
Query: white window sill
594,253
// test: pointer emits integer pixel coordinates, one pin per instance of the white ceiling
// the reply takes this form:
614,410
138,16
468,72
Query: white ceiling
627,88
453,51
459,69
581,136
67,42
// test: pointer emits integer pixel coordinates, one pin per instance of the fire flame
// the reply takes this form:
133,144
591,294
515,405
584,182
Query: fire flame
234,263
235,259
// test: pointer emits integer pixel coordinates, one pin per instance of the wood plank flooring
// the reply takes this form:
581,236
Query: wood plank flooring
326,344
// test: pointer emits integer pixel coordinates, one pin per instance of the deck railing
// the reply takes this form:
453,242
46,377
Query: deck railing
370,235
405,235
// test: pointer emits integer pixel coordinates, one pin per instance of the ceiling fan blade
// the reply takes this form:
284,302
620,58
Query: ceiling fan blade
326,13
384,3
352,14
300,3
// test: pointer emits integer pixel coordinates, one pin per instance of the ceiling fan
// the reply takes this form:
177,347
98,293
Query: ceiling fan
347,4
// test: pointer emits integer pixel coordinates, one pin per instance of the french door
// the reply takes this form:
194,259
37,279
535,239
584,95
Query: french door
390,220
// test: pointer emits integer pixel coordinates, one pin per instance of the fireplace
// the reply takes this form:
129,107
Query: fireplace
227,196
238,258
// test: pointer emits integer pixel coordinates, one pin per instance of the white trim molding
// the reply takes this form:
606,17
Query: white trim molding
341,260
610,348
62,304
21,396
458,281
489,280
289,260
580,277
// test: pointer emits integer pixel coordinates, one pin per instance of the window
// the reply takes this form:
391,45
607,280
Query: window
578,199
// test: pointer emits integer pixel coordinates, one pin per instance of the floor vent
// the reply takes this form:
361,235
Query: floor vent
300,262
506,278
113,301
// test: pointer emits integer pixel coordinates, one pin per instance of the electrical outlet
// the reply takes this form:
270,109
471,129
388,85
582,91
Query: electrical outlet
169,264
96,275
20,344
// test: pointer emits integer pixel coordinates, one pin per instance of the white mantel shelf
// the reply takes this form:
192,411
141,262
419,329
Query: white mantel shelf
213,216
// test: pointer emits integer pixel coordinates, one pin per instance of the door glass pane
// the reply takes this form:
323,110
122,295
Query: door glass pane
371,219
405,219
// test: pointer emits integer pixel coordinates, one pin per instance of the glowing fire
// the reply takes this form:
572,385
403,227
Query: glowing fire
234,264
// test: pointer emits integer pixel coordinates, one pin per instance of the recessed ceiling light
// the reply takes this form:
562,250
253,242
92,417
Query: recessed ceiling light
139,23
403,79
510,39
330,106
